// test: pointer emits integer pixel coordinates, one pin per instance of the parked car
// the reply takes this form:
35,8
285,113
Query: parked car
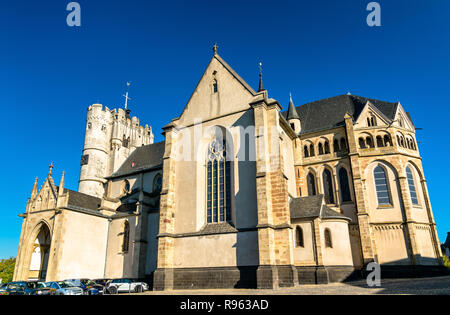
27,288
39,288
3,289
126,285
89,287
102,282
64,288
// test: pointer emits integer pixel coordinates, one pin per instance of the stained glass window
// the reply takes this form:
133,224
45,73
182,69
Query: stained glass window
412,187
218,187
328,187
382,186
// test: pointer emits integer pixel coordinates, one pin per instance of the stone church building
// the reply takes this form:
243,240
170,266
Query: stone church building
241,193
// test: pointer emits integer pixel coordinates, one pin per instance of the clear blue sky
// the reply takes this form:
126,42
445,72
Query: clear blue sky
50,73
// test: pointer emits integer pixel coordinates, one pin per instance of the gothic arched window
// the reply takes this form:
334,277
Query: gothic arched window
382,186
328,187
299,237
126,236
412,186
311,182
218,186
345,187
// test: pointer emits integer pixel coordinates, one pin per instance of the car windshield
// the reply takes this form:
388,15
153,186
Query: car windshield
65,284
35,285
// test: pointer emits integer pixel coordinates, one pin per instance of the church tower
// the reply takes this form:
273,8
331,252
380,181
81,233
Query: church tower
111,136
95,158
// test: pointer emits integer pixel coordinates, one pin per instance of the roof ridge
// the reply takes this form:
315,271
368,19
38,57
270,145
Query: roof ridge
235,74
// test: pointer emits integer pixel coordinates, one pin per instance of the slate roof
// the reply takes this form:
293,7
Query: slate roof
329,113
81,200
312,207
145,157
447,241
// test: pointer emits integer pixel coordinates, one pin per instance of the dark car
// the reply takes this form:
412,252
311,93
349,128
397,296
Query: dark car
102,282
39,288
89,287
27,288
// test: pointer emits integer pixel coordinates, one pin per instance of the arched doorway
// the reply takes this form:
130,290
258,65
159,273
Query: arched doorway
40,254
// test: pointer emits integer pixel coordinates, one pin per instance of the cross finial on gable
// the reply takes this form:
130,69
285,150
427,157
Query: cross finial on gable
215,48
261,86
126,96
51,168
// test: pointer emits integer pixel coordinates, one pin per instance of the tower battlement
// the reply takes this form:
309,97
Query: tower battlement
111,136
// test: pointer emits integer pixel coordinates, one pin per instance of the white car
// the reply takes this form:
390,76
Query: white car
126,285
64,288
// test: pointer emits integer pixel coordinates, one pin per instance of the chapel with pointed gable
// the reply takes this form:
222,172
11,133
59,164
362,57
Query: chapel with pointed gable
240,193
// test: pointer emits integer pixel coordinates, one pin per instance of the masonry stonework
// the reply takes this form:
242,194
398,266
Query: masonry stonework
268,198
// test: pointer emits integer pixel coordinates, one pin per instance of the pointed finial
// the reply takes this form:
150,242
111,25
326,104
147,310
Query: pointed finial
50,169
261,86
215,48
61,184
34,190
126,95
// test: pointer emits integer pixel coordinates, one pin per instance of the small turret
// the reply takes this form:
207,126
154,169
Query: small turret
292,116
